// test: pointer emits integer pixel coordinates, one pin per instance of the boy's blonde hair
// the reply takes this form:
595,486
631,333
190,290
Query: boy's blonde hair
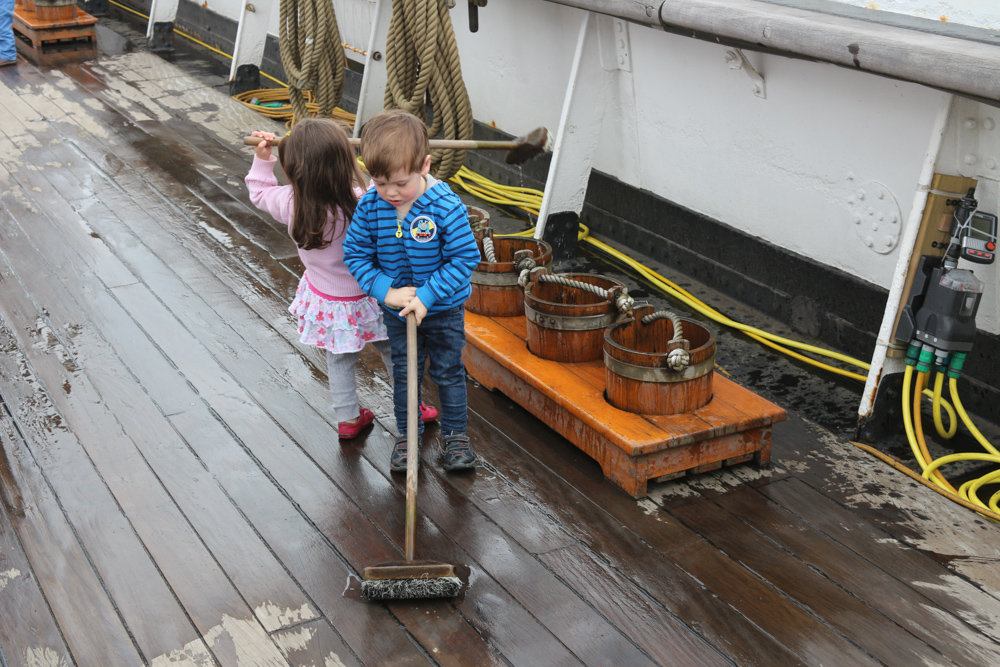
394,140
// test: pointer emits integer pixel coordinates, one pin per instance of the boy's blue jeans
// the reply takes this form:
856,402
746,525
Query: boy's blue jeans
7,50
441,338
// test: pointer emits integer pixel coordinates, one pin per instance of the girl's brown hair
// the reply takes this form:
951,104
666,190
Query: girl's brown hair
323,171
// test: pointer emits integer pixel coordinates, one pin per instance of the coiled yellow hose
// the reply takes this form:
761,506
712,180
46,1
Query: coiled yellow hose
912,423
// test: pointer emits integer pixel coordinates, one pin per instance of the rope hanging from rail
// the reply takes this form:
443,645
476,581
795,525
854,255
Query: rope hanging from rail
312,55
422,64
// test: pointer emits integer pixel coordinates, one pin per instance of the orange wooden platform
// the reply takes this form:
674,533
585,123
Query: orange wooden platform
54,42
632,449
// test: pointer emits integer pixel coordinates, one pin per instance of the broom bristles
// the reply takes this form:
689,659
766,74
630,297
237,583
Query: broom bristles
410,589
537,142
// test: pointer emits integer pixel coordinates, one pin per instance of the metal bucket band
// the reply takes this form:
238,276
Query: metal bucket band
503,278
568,323
650,374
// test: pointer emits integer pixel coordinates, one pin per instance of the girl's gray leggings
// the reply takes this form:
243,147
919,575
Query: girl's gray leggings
341,370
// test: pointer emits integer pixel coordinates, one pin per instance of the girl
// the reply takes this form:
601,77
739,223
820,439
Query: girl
333,312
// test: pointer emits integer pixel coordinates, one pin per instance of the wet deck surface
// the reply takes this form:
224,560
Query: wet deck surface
174,492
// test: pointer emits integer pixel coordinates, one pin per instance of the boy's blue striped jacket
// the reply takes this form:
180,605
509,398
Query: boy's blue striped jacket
436,254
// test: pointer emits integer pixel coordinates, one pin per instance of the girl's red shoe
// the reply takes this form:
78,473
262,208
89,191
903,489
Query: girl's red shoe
349,430
428,413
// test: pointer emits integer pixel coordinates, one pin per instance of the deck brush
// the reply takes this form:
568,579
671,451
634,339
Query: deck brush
519,150
410,579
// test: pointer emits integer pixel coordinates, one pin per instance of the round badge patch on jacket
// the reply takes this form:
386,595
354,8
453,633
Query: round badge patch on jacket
423,229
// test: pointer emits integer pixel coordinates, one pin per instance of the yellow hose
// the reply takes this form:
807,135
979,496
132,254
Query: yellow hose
908,418
918,429
953,386
939,402
966,494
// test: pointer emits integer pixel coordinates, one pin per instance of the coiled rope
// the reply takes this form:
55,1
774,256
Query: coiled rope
422,63
312,55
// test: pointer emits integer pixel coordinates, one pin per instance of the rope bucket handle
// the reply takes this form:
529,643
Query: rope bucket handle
678,348
617,295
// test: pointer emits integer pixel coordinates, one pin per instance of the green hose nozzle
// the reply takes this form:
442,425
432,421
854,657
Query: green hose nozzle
926,360
956,364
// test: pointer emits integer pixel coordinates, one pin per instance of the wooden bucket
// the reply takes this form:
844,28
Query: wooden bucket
55,10
567,323
638,377
495,288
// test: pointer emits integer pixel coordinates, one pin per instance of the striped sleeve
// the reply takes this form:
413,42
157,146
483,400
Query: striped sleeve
361,247
450,283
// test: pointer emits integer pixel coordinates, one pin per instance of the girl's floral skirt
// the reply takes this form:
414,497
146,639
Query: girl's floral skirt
337,326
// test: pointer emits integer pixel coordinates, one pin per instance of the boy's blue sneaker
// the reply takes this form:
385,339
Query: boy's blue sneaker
458,454
397,462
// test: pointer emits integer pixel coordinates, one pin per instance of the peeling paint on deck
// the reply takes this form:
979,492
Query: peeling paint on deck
43,657
8,576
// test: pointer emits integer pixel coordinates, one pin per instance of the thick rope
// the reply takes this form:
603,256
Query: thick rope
666,315
624,303
678,359
312,55
491,255
422,63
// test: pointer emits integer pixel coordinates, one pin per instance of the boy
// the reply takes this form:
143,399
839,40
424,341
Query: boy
411,248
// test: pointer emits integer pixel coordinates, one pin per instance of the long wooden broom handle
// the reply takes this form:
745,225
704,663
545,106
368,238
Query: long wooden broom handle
412,414
458,144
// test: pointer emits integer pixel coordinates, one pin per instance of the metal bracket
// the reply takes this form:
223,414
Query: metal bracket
474,6
247,78
94,7
162,36
736,59
616,56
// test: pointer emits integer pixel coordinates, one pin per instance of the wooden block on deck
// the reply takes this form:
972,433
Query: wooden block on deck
631,448
55,42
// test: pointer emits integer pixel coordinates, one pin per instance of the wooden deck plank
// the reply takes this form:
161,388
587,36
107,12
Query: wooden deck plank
261,579
935,626
654,629
29,633
908,511
97,518
160,624
268,608
312,644
126,155
570,618
864,625
189,167
581,508
163,538
928,578
676,546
